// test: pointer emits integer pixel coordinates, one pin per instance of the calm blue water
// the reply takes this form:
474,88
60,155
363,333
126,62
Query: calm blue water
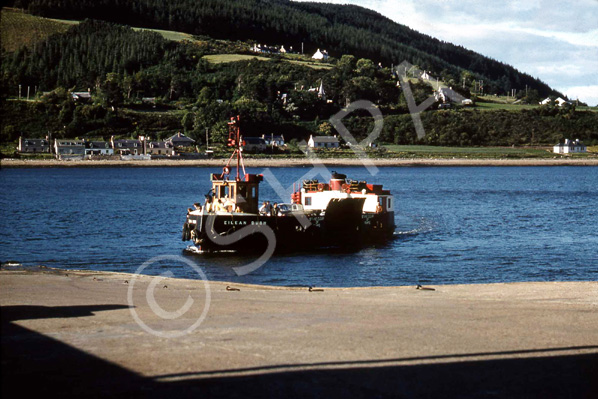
454,225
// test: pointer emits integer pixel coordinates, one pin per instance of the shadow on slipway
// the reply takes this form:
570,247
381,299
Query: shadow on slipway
35,364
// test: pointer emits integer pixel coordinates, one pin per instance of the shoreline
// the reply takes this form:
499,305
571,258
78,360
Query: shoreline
297,162
40,269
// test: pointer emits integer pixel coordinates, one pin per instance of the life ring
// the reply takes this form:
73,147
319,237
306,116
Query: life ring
321,187
348,190
226,170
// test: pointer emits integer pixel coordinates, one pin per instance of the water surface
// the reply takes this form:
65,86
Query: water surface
454,225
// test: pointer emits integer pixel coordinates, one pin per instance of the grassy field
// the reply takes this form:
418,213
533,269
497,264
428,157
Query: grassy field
423,151
20,29
171,35
483,106
224,58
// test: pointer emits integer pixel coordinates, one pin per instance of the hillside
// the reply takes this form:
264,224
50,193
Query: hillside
20,29
153,81
340,29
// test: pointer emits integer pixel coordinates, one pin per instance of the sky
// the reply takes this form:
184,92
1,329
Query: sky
553,40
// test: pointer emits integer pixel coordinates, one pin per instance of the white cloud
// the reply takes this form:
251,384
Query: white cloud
587,94
553,40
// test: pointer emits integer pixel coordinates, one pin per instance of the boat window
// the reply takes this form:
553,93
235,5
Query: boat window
308,201
389,203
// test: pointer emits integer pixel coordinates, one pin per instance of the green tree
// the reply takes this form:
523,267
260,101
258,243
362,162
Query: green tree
111,91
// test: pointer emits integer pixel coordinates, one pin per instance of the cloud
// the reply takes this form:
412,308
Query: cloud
553,40
587,94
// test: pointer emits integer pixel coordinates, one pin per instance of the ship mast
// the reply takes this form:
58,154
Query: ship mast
235,140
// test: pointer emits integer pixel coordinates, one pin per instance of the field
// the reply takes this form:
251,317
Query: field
224,58
20,29
171,35
483,106
424,151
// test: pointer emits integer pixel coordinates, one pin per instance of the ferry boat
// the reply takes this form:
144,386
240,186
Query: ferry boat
338,213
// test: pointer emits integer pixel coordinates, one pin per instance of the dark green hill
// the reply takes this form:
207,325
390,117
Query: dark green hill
340,29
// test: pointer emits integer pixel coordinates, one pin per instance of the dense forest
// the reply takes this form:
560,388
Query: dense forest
340,29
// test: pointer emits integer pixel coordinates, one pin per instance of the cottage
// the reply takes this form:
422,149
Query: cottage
320,55
259,48
160,148
321,91
180,140
546,101
33,145
323,142
254,144
127,146
69,148
560,102
81,96
570,147
98,148
447,95
274,141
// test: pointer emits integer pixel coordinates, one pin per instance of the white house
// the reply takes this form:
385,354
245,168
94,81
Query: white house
570,147
81,96
559,101
447,94
321,92
69,148
98,148
323,142
320,55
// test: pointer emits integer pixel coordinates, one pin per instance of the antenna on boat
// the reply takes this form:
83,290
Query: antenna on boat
235,140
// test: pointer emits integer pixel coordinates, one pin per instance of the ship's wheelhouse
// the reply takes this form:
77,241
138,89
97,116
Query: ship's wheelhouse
239,194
